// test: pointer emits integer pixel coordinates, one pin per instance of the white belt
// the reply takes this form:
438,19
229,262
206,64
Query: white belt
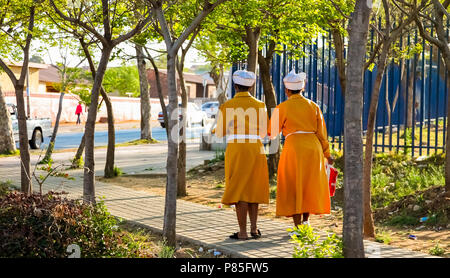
242,136
299,132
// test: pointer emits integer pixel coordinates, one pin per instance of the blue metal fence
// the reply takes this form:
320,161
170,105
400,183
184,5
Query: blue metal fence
414,90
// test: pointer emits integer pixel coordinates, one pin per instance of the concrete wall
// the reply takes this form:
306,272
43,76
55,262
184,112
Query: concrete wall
46,106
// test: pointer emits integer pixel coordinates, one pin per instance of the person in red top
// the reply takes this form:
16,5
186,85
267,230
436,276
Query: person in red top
78,112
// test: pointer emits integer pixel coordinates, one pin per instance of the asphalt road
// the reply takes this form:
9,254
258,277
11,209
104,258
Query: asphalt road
72,140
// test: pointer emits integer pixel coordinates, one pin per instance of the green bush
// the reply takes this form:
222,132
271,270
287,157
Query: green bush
77,163
273,192
396,175
5,188
45,226
219,156
307,244
437,250
117,172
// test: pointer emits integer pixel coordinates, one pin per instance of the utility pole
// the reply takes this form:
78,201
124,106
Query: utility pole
28,93
205,82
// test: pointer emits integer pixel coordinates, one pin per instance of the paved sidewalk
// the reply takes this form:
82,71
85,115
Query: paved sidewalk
206,226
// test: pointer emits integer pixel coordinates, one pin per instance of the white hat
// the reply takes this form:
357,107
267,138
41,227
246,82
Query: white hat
244,78
294,81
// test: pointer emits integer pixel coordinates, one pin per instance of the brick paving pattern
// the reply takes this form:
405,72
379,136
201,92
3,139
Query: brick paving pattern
200,224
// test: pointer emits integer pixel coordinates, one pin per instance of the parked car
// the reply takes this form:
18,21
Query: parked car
194,115
36,128
211,108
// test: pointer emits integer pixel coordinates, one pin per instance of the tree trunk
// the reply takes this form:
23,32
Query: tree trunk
169,228
353,147
89,171
146,126
25,178
7,144
447,140
410,97
401,86
79,153
338,42
160,95
80,150
25,174
252,40
216,74
388,109
369,230
181,186
109,165
218,82
271,103
51,144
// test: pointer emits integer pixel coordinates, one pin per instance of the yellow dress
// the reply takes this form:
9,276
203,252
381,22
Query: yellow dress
246,173
302,184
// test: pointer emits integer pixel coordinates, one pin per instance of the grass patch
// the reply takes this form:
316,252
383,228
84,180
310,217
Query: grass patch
395,176
220,186
383,236
219,156
403,220
8,154
137,142
166,251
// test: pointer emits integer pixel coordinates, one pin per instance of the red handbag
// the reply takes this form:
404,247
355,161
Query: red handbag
332,174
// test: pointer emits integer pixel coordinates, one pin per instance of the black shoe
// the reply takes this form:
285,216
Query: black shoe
236,236
256,235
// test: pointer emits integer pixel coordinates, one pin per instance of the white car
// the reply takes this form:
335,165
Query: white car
194,115
211,108
36,128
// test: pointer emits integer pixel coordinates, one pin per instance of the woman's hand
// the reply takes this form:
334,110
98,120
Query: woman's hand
330,160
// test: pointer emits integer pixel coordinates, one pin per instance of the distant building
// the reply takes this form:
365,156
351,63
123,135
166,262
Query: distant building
42,78
48,77
194,84
34,82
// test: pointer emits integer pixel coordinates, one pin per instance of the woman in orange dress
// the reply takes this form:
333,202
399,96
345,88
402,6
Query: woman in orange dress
302,184
243,120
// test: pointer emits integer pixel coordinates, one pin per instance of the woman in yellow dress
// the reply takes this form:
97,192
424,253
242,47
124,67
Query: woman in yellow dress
302,184
243,120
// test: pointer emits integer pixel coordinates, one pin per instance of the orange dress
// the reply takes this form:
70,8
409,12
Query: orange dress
246,172
302,184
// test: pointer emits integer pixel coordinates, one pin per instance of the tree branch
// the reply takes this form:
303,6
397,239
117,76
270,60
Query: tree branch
26,50
441,8
141,25
80,23
208,8
336,6
9,72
